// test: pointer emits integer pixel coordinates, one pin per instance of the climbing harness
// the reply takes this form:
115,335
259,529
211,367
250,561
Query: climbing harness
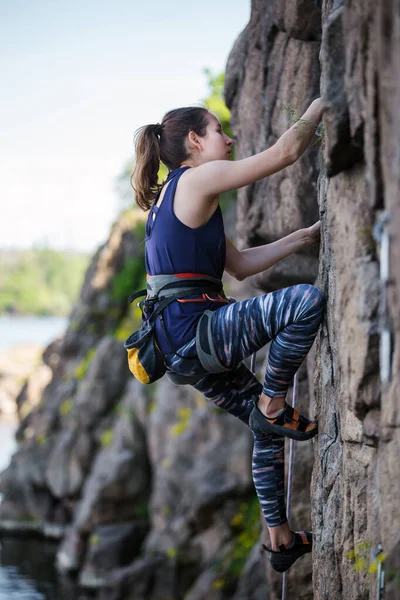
145,358
381,235
290,477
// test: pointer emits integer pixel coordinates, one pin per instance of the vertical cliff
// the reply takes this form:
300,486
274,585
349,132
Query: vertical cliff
273,71
276,62
355,487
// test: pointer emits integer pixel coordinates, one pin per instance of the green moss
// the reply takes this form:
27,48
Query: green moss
200,399
106,438
42,439
142,510
81,369
171,552
363,560
219,584
129,323
151,406
121,409
184,415
65,407
28,519
94,540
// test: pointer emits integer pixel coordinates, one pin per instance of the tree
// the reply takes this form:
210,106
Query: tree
215,104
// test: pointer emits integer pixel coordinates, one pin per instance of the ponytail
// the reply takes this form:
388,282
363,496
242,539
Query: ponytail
166,143
144,178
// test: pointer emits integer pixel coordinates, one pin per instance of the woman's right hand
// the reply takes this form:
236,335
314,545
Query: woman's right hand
313,233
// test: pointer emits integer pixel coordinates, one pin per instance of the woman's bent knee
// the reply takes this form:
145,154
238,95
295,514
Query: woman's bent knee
307,289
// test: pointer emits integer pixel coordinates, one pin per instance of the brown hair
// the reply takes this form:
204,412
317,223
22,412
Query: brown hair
164,142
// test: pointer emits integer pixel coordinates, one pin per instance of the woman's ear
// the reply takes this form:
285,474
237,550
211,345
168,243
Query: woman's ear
194,141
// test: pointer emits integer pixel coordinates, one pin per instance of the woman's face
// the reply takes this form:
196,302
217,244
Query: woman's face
215,144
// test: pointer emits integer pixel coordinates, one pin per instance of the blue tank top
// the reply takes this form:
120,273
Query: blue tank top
172,247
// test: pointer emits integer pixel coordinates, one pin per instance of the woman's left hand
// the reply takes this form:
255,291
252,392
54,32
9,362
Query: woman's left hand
313,233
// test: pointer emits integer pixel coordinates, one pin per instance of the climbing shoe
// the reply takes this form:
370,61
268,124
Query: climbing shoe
289,423
283,559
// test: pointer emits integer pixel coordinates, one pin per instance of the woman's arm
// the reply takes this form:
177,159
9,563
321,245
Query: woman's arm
243,263
219,176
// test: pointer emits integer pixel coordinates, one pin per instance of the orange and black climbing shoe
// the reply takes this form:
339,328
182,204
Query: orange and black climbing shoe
283,559
289,423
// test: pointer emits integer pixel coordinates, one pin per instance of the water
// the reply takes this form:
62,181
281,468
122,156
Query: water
27,564
27,572
18,330
7,443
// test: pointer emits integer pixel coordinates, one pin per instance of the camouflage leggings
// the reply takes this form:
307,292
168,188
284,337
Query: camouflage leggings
289,318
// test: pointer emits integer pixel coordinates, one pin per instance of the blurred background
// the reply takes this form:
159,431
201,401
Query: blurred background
77,80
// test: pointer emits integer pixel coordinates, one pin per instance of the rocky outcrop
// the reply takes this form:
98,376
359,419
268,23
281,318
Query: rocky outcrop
21,365
60,437
141,484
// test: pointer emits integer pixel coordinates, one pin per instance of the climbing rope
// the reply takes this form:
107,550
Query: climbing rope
289,482
291,455
380,590
381,234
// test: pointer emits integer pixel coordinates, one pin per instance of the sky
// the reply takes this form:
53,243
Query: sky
78,77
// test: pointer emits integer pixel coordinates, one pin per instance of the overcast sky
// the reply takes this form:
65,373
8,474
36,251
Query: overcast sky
77,79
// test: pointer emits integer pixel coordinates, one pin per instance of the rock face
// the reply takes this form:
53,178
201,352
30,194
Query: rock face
273,70
150,486
355,482
20,364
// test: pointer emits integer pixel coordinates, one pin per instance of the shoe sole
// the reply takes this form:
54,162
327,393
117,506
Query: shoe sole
259,424
281,567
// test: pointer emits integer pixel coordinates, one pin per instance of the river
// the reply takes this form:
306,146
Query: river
27,564
18,330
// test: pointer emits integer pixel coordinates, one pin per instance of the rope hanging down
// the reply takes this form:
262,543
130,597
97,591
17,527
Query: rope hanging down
291,455
290,477
381,234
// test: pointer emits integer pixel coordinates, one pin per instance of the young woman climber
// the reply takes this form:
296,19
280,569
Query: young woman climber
185,239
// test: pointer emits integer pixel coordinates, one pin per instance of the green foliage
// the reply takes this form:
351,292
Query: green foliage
215,101
215,104
246,524
142,511
132,276
40,282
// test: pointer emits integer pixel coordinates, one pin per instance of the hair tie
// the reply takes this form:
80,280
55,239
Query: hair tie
158,129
